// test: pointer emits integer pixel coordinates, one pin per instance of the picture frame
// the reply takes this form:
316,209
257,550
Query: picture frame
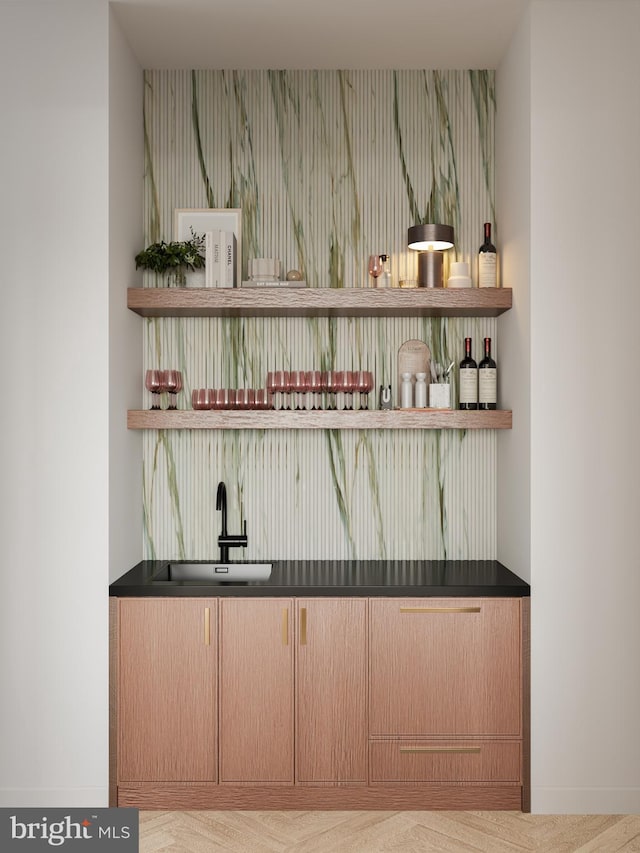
203,219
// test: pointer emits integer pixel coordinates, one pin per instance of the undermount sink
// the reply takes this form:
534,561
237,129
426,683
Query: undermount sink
213,572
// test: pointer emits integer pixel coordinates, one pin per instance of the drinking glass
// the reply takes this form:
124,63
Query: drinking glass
173,384
281,388
314,381
264,399
375,267
364,384
223,399
299,388
153,382
202,398
245,398
349,388
334,385
324,389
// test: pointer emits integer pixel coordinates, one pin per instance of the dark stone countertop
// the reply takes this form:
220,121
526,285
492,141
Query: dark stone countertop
339,578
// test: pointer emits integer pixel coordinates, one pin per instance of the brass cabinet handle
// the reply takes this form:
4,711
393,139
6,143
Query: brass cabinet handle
440,610
303,626
285,627
475,749
207,626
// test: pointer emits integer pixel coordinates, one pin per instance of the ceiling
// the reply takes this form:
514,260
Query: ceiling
298,34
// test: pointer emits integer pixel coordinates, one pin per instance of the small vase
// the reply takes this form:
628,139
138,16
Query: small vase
195,278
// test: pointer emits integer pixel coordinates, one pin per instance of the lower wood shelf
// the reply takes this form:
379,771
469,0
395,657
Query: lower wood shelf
270,419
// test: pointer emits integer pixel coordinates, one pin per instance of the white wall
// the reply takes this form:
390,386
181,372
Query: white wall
585,410
513,203
126,164
54,351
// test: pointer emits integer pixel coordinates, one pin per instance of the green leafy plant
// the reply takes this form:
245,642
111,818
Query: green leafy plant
174,258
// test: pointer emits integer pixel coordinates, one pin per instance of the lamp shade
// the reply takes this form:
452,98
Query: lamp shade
435,238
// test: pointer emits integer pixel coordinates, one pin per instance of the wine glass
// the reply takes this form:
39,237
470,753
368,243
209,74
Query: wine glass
334,385
364,384
314,381
349,386
299,388
173,384
153,383
324,389
281,388
375,266
277,387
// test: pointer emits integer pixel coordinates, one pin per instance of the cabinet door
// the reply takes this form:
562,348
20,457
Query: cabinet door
168,689
331,724
256,690
445,667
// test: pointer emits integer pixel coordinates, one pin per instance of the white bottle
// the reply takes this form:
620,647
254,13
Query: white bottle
421,391
406,392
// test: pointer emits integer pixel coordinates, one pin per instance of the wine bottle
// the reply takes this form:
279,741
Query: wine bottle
487,379
468,379
487,261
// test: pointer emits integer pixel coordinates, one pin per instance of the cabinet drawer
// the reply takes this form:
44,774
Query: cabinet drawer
445,761
445,666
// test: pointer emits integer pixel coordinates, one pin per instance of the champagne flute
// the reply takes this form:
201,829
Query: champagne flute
375,267
153,383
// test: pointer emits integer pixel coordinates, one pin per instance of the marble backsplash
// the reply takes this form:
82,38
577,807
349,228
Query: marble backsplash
327,168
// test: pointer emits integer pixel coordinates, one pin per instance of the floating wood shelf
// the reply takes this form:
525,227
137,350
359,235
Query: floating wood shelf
271,419
318,302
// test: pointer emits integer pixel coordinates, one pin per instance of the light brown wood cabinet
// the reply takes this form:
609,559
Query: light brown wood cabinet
257,696
167,697
323,703
331,718
256,690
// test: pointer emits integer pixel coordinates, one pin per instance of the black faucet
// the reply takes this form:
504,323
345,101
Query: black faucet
224,540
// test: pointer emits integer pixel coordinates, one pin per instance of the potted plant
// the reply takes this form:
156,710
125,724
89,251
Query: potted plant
174,259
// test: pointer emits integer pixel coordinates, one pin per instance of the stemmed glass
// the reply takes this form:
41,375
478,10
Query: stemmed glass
153,382
350,388
173,384
279,384
299,388
375,266
314,381
364,384
334,385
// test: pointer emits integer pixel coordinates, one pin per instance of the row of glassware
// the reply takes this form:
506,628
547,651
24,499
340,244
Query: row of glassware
163,382
231,398
286,389
320,389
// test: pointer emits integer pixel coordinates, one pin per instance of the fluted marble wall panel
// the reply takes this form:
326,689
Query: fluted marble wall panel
327,167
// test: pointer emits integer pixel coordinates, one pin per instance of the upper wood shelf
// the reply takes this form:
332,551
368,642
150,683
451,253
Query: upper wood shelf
318,302
270,419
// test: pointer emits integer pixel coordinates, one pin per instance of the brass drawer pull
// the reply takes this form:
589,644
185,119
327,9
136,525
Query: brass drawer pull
285,627
440,610
463,749
303,626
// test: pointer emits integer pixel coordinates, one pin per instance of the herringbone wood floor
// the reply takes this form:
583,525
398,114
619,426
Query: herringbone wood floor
392,832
